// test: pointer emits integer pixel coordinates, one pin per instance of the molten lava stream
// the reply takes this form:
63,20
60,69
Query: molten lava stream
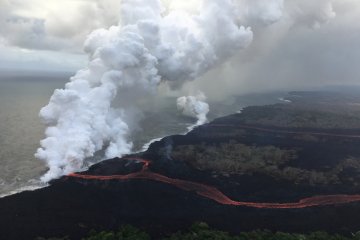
216,195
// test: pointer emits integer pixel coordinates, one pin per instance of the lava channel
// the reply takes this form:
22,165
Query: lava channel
216,195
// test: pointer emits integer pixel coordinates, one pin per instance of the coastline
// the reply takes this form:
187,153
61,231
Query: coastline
114,192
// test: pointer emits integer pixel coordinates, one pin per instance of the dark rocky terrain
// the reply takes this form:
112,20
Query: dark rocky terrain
271,154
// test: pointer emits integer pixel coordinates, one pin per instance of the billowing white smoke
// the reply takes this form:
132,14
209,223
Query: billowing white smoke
194,106
308,12
134,57
295,36
311,13
263,11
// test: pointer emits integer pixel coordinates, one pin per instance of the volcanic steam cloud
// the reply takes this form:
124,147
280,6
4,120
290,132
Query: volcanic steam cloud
147,47
151,44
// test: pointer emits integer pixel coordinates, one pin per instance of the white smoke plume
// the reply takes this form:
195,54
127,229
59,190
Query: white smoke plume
194,106
147,47
307,45
311,13
265,12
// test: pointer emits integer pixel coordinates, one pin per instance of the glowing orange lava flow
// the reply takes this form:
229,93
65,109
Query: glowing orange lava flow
214,194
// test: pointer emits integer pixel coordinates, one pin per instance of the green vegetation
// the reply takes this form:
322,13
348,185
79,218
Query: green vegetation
240,159
233,157
201,231
290,116
61,238
126,232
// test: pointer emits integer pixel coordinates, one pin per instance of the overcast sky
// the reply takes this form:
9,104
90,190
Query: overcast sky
314,41
36,34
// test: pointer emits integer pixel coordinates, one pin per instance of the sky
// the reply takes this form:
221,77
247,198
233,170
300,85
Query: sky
36,34
297,42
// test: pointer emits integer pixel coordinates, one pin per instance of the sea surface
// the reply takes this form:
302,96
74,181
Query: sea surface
23,94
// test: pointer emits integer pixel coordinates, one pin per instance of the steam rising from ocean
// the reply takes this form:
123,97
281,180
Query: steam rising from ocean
151,46
146,48
194,106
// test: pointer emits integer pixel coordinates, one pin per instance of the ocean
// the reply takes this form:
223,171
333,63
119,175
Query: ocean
23,94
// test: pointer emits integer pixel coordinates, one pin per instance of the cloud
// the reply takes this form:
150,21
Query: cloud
289,35
313,44
54,25
311,13
260,11
14,59
37,33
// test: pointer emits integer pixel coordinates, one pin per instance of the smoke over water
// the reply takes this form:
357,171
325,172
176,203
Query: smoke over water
148,47
153,45
194,106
